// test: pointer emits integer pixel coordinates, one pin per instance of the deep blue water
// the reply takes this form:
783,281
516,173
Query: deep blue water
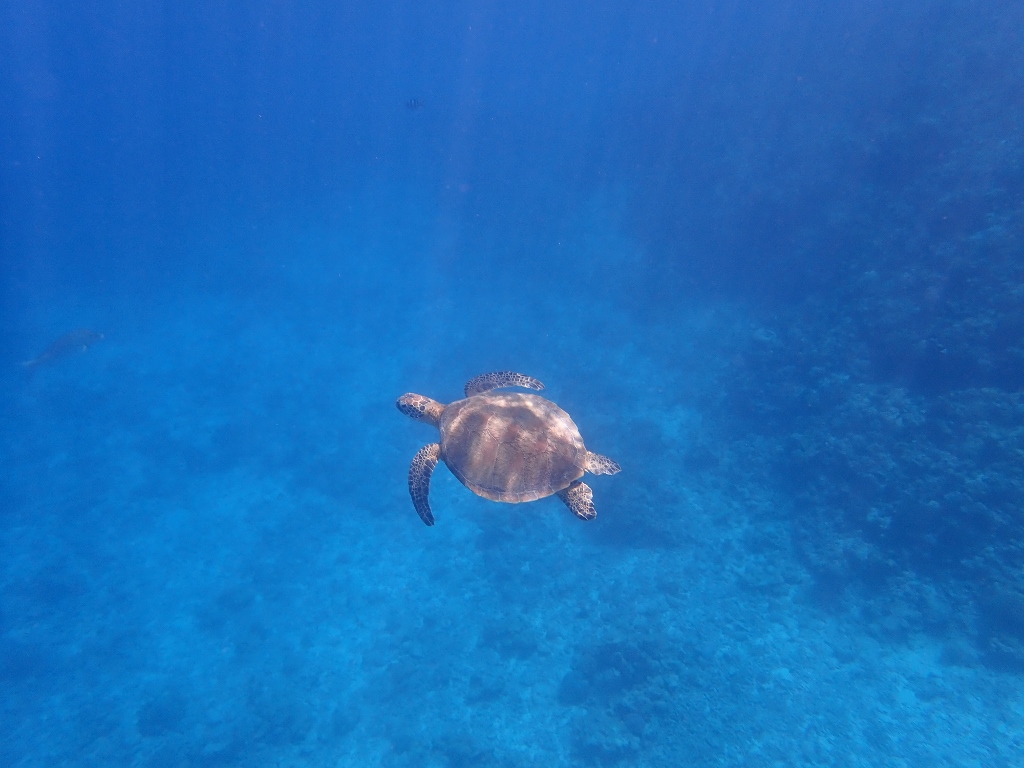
770,260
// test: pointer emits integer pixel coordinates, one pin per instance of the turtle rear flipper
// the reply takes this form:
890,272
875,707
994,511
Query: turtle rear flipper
601,465
580,500
420,470
488,381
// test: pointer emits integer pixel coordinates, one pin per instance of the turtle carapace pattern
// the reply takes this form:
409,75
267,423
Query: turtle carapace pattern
504,446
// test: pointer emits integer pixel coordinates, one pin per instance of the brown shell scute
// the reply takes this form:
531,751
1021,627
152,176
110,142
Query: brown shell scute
509,446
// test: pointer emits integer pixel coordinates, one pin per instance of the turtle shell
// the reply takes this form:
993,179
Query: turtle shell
509,446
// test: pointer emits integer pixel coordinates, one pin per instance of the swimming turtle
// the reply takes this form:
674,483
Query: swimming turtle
504,446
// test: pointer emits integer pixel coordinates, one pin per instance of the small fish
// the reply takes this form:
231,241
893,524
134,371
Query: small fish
76,341
413,104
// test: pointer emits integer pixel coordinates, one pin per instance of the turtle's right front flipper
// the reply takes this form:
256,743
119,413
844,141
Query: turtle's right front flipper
420,470
488,381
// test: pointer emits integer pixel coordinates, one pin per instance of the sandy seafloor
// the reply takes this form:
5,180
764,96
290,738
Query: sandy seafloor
210,557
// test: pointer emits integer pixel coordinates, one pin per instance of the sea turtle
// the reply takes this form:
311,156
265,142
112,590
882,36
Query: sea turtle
504,446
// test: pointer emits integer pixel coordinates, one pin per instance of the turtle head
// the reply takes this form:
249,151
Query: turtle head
420,408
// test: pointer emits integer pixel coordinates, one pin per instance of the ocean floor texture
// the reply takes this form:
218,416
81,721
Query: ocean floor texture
210,557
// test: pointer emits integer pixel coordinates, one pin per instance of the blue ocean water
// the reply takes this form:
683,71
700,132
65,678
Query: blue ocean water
769,259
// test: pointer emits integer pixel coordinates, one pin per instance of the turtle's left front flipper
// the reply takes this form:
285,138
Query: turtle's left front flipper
420,470
419,479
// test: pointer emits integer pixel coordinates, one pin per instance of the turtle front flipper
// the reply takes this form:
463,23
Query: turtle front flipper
420,470
601,465
488,381
580,500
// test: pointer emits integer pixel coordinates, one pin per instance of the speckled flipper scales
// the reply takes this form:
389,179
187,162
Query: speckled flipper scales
422,468
601,465
489,381
580,500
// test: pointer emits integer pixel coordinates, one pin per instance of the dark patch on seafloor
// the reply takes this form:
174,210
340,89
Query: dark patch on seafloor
893,420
